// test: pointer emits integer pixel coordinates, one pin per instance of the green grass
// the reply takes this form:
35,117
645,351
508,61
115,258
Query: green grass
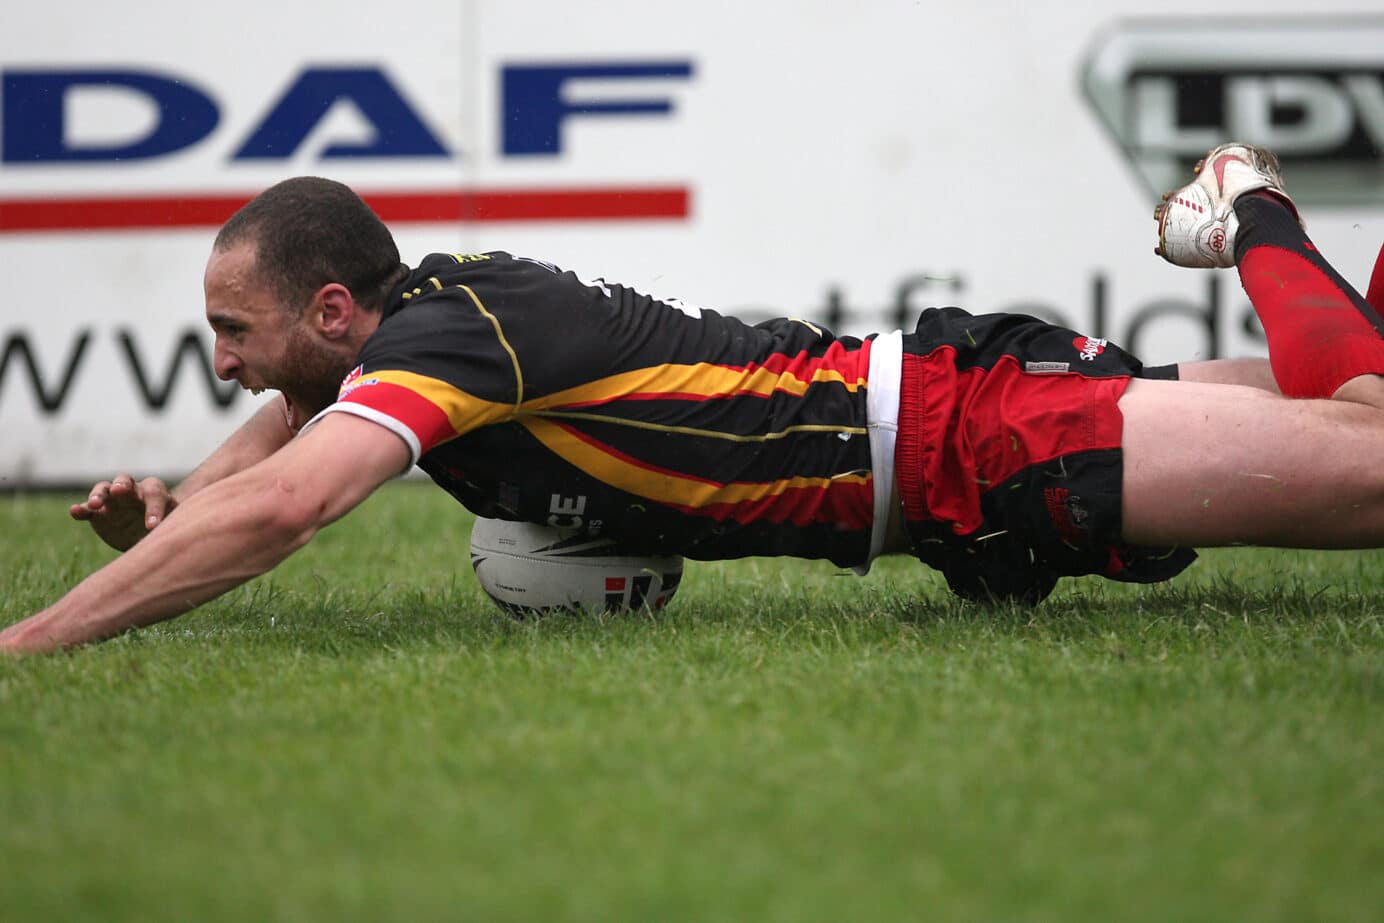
362,736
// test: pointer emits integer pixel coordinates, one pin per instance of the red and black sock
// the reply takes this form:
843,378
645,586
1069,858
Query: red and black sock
1375,295
1321,332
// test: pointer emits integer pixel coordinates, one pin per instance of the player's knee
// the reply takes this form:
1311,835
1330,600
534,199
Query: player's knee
1362,389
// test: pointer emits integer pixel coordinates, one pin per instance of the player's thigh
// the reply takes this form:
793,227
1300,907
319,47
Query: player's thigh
1209,464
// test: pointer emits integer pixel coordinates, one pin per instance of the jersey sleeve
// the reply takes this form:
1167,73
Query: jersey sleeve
435,370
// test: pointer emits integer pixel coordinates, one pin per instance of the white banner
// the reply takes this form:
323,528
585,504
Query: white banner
852,166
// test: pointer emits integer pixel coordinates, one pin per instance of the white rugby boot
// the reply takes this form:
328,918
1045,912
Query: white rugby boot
1197,223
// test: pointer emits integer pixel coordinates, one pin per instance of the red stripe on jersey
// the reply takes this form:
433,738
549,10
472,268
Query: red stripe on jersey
425,419
964,432
616,455
852,364
849,505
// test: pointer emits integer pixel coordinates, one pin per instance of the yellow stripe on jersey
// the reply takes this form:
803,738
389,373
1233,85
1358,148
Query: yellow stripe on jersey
437,287
691,430
500,333
700,380
664,486
464,411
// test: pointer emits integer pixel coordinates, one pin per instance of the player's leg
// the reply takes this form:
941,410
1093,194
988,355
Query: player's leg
1375,294
1325,340
1213,464
1250,372
1256,372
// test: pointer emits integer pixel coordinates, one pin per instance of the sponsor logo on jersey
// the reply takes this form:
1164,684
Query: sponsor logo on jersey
353,380
1088,348
1311,90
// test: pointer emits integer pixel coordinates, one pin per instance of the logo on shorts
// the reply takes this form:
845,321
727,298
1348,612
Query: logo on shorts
1218,240
1069,515
1090,347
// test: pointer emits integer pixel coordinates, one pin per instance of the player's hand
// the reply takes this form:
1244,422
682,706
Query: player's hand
121,511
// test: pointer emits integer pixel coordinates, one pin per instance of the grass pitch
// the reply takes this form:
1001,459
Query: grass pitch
361,735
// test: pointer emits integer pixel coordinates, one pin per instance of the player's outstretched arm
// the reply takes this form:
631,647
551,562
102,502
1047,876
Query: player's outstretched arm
222,536
121,511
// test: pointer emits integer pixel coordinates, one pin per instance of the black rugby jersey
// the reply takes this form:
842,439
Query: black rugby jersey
531,394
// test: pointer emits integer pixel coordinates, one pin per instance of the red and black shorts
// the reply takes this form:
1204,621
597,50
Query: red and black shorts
1008,458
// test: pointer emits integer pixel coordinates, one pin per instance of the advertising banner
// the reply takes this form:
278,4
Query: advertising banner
847,165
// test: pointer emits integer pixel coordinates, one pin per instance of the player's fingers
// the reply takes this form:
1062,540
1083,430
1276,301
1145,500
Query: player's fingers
97,496
156,501
122,484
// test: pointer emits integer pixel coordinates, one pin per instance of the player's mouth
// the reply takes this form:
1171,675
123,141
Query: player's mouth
256,390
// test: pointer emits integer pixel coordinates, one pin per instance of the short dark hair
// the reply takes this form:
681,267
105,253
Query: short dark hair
309,231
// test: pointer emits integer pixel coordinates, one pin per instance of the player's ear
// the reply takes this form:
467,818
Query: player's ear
334,308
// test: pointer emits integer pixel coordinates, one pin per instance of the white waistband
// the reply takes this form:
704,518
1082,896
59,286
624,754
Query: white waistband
882,416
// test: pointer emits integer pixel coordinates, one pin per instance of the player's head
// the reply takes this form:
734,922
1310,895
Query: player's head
295,284
308,232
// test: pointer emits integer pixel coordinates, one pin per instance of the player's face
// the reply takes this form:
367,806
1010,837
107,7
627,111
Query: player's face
259,342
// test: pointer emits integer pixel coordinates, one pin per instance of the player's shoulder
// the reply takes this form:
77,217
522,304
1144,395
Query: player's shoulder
464,266
438,271
494,275
450,297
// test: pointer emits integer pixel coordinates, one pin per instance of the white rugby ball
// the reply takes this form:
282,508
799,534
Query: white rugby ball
530,569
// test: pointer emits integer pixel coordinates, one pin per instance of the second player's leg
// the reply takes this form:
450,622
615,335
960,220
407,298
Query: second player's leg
1253,373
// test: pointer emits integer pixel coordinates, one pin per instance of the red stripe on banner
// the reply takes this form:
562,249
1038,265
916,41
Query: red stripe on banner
97,213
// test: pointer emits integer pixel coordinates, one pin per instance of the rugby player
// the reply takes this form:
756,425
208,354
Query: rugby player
1004,451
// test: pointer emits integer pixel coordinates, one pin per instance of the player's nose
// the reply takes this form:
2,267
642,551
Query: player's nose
225,362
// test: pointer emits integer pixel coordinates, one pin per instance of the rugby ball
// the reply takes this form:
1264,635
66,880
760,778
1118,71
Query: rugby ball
529,569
